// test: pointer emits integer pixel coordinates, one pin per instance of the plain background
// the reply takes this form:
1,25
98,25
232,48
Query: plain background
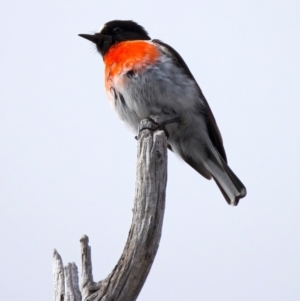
68,164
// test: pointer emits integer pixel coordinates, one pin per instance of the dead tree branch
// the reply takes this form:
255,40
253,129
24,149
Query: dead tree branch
126,280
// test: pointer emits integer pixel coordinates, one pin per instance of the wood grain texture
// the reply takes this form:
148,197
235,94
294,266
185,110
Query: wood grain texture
72,283
126,280
58,277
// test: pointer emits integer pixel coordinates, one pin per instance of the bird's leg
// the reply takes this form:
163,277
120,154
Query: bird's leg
161,125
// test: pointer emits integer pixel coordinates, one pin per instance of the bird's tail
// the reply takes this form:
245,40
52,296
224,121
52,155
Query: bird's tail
230,185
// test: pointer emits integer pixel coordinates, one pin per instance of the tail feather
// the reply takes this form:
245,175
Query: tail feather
214,166
229,184
237,183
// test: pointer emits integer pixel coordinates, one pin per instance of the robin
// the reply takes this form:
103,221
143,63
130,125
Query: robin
145,78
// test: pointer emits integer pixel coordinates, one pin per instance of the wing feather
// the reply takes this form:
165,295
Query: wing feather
212,127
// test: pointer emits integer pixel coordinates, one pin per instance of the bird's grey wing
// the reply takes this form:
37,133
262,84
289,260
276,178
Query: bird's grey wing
212,127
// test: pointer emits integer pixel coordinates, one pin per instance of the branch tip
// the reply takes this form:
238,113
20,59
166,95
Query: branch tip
84,239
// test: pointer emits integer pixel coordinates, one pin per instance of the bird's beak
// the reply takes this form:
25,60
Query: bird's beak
103,42
91,37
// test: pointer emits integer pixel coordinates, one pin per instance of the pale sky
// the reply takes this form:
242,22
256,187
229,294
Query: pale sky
67,164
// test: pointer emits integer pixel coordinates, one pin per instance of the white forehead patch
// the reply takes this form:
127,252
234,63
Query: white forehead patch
101,28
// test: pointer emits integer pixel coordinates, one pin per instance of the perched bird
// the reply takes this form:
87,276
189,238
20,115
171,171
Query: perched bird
144,78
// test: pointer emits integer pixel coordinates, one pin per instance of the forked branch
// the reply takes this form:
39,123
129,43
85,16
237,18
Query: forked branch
126,280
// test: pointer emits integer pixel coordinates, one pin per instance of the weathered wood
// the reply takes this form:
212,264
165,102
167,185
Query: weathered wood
72,283
58,277
87,273
125,282
65,280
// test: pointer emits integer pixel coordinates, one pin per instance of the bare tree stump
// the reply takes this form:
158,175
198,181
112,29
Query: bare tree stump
126,280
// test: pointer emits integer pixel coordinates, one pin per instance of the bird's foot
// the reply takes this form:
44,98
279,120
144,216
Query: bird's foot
160,125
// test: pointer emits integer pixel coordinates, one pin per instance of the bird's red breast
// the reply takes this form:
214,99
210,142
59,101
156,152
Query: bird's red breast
126,56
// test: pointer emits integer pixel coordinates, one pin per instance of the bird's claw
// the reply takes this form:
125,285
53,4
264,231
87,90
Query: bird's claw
160,126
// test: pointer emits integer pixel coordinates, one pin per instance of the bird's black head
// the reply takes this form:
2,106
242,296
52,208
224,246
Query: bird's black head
114,32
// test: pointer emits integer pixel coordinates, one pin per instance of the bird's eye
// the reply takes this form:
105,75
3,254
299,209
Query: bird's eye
117,30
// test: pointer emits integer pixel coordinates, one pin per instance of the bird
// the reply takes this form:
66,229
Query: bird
146,77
